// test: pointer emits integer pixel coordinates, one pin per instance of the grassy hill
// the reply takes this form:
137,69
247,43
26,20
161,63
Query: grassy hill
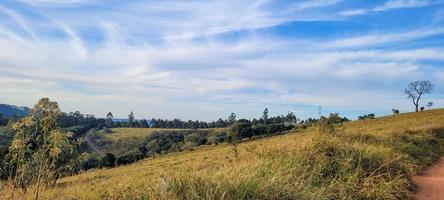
370,159
120,140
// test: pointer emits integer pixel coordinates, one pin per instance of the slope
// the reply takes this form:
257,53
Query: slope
372,159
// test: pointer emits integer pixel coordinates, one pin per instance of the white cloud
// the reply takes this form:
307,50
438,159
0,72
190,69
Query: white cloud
174,54
390,5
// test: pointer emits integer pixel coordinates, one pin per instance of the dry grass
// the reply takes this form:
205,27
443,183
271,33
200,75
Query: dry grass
372,160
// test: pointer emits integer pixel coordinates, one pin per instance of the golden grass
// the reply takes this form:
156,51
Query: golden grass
150,178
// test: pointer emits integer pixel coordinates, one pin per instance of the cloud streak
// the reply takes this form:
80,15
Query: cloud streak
168,58
391,5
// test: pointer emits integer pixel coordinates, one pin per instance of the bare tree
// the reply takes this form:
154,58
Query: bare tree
416,89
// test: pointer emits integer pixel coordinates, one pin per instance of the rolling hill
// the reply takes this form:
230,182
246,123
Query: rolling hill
10,110
121,140
369,159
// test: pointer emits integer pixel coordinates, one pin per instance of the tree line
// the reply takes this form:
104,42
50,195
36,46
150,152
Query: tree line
190,124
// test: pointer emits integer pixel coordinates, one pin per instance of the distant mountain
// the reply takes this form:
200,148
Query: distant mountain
10,110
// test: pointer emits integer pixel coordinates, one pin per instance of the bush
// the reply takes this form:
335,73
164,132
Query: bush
189,146
109,160
193,138
332,124
213,140
129,158
153,146
91,162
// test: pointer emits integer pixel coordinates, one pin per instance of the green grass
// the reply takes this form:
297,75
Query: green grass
372,159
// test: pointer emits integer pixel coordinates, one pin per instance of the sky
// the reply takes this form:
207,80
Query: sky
203,59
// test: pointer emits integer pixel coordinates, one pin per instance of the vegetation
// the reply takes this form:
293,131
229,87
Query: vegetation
220,123
371,159
39,150
372,116
416,89
5,139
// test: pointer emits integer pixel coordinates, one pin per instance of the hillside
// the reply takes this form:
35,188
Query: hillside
121,140
372,159
10,110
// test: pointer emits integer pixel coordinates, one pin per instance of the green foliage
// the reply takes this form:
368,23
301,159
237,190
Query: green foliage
232,119
40,150
265,116
109,120
3,120
153,146
109,160
332,124
193,138
129,157
372,116
131,119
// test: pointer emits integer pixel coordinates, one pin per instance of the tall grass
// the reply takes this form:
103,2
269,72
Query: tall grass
364,167
372,160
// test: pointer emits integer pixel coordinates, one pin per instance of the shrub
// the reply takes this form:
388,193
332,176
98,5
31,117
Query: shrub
189,146
193,138
153,146
332,125
109,160
129,158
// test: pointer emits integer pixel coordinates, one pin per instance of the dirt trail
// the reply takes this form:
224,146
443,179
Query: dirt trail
91,143
431,183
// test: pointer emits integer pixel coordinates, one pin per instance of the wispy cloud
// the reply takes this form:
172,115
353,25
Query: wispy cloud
390,5
164,58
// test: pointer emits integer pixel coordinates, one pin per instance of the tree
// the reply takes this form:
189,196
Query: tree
415,90
109,120
109,160
3,120
395,111
40,150
291,118
144,124
231,119
368,116
265,116
131,119
233,135
332,124
429,105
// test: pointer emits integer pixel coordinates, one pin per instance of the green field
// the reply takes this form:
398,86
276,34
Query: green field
371,159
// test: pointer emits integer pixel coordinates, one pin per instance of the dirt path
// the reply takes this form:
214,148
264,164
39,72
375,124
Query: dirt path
431,183
91,144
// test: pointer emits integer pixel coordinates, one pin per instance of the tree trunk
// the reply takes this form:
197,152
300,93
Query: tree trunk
416,108
12,190
37,191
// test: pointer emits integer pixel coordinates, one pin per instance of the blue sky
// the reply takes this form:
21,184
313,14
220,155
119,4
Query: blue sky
205,59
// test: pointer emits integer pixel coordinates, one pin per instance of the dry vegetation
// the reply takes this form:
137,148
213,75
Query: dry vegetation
372,159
